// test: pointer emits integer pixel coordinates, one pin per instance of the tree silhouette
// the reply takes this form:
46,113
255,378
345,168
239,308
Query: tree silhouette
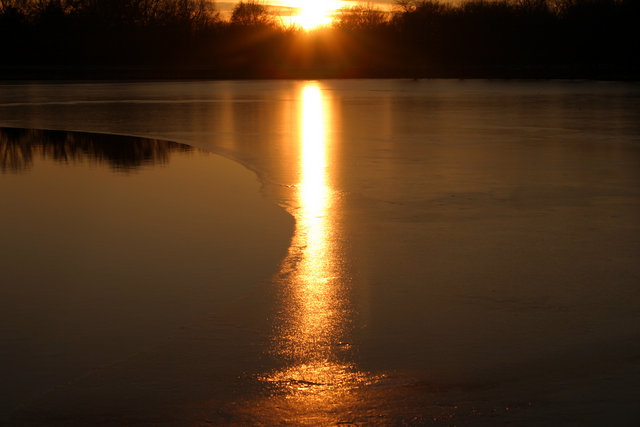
430,38
251,13
361,16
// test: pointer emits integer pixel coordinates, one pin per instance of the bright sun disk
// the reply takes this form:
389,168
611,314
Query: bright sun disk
315,13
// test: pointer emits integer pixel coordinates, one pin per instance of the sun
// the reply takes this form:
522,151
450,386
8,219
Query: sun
315,13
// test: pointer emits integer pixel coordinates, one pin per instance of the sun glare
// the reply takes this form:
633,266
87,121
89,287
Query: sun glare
314,13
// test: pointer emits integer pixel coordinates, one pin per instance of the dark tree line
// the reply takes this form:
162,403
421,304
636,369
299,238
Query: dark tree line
98,32
188,38
534,35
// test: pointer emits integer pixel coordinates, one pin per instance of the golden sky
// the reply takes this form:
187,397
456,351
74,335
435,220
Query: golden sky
307,13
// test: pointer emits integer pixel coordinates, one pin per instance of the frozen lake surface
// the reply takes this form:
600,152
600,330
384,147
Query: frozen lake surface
463,250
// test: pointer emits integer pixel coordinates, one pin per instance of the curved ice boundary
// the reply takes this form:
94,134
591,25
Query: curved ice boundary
115,244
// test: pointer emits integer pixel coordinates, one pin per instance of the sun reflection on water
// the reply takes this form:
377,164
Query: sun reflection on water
313,332
315,291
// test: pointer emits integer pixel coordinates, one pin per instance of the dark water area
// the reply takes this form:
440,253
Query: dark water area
111,244
464,252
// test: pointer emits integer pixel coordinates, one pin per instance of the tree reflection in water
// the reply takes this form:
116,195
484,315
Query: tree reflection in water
18,147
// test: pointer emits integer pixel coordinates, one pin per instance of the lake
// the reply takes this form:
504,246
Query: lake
463,252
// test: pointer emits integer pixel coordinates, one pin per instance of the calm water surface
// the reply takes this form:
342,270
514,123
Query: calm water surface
462,250
111,243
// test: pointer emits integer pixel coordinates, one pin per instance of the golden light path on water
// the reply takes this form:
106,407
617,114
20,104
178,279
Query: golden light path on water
316,290
312,334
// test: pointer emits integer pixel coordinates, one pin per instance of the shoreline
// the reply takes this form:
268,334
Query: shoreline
54,73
